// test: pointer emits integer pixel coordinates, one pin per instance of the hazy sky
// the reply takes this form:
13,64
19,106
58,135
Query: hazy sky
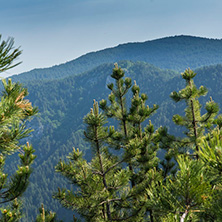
56,31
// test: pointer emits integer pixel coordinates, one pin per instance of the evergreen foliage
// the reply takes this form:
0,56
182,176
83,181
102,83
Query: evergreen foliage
120,178
196,125
101,184
106,190
143,191
63,103
15,111
192,193
210,154
139,145
185,195
8,54
46,216
12,213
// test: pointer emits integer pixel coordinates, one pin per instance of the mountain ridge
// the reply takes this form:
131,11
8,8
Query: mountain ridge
166,53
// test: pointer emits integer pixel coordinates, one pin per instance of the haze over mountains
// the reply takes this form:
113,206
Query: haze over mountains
177,53
64,94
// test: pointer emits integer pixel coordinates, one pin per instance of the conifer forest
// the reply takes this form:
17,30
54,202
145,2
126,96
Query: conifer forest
123,134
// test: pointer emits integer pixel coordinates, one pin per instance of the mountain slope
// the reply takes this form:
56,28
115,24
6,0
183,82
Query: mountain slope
177,53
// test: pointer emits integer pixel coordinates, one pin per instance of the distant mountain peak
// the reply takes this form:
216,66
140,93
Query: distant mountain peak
173,52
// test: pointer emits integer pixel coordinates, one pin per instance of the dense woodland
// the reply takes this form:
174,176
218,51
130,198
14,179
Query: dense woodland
147,141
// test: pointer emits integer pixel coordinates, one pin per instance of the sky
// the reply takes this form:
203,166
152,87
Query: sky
51,32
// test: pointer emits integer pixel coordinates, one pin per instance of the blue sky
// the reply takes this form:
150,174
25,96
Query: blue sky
52,32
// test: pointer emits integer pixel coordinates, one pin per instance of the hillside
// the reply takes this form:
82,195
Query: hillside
65,93
63,104
175,53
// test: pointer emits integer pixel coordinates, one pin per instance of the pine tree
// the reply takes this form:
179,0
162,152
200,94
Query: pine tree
12,214
183,197
139,145
15,111
102,183
46,216
130,121
196,124
113,185
8,54
211,154
188,195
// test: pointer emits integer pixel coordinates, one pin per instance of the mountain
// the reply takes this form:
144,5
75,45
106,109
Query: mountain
65,93
177,53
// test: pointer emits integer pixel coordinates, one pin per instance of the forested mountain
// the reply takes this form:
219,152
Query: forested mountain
65,93
175,53
63,104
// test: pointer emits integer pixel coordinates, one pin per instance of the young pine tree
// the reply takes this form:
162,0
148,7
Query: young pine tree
101,184
188,195
138,145
46,216
195,123
15,111
112,187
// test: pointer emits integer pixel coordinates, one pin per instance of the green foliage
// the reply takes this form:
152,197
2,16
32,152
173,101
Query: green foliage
8,54
101,184
133,138
15,111
139,146
211,152
71,97
46,216
65,95
12,213
106,189
195,123
188,193
64,102
123,180
194,191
